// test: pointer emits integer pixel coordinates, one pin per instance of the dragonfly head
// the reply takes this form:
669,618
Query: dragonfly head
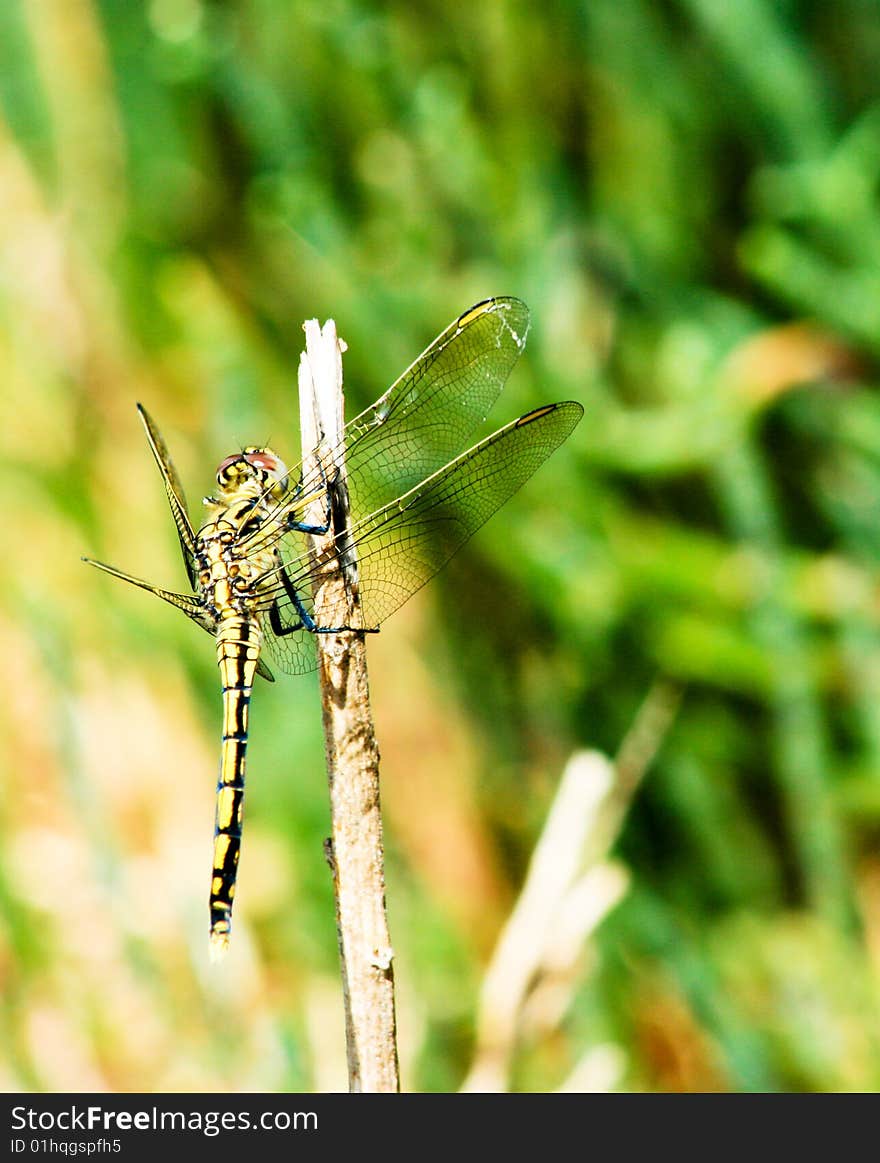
259,469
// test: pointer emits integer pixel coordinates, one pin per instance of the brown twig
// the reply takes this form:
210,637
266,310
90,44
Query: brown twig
355,851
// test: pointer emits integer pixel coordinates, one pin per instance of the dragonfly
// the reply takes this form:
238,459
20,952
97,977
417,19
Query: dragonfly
418,490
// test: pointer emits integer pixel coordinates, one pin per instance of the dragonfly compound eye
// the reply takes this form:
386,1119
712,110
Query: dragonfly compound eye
266,461
252,463
260,458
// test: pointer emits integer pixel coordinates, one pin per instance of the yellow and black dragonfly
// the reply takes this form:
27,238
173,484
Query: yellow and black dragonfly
417,493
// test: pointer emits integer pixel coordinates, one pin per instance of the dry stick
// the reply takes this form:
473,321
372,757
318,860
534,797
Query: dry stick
355,850
569,888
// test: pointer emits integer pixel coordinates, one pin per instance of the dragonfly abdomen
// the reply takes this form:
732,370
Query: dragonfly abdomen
238,651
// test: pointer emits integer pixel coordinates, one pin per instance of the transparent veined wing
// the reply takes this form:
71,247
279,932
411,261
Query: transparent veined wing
401,545
430,413
174,492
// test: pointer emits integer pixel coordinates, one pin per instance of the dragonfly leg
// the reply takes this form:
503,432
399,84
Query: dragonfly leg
306,622
304,526
341,629
278,627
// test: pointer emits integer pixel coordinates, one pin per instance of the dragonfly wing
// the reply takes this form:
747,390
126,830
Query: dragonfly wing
186,602
429,415
294,652
403,544
174,492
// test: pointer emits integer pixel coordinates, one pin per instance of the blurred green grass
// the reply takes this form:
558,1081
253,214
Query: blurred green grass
686,196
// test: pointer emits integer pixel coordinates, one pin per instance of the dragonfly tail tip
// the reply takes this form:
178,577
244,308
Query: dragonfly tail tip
219,947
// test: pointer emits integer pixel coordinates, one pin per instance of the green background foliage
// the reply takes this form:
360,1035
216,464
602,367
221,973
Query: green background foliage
685,193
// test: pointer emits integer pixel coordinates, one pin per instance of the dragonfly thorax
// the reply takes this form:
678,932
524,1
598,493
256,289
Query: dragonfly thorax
255,471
